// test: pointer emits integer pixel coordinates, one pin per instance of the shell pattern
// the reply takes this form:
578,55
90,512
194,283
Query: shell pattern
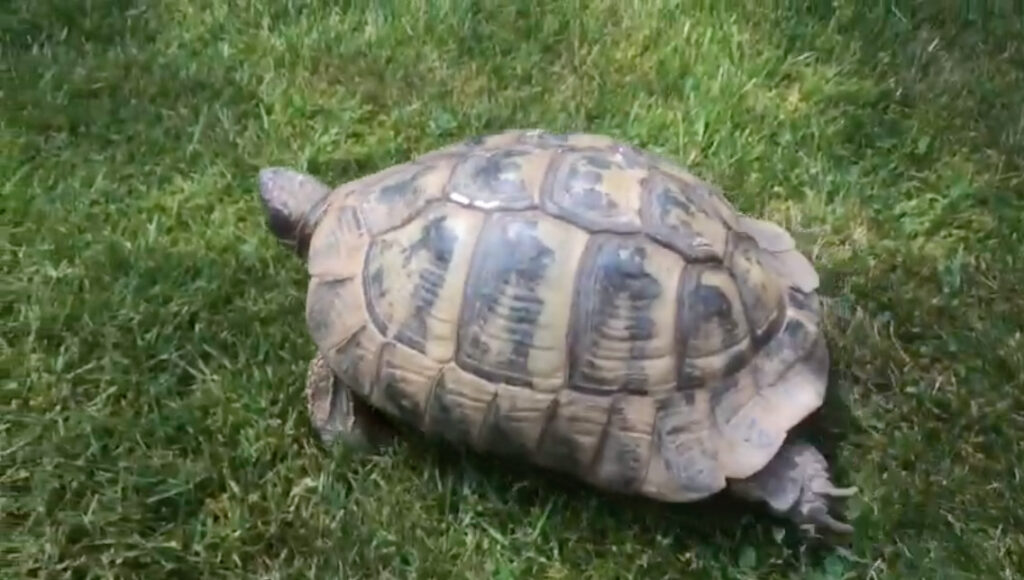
570,300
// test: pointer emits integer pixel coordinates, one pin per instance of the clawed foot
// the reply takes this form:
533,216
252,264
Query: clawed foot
796,484
812,511
338,416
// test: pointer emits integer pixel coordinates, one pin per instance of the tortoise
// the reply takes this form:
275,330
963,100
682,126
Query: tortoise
569,300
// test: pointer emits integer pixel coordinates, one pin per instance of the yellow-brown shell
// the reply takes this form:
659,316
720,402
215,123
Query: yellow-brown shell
574,301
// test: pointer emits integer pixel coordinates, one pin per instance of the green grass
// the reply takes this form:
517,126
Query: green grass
153,346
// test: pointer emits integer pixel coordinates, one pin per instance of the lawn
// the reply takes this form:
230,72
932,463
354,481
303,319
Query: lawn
153,345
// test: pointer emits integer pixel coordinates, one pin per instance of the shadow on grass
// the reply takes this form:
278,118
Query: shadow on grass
940,130
107,24
87,90
177,342
947,84
722,523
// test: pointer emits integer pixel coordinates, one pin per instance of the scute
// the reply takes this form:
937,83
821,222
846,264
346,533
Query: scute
622,461
760,293
596,189
413,279
714,317
516,421
687,464
337,247
356,360
706,195
405,382
680,215
780,386
504,179
714,334
574,301
334,308
516,314
459,407
623,330
399,195
573,435
539,138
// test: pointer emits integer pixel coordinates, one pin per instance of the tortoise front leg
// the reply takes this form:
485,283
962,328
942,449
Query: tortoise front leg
796,484
338,414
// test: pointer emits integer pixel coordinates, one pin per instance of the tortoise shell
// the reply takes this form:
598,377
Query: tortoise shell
573,301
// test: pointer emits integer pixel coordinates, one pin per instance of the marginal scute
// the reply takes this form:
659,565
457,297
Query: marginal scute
404,384
355,360
746,433
591,141
753,414
784,383
453,151
334,311
519,417
622,458
457,408
572,436
337,247
510,138
768,235
686,466
749,440
793,267
540,138
802,390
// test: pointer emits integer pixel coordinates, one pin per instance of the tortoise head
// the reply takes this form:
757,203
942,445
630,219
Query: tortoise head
291,200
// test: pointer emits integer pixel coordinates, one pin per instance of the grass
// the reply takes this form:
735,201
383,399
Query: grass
153,343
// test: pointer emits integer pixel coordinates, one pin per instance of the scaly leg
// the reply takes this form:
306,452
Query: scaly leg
796,484
338,414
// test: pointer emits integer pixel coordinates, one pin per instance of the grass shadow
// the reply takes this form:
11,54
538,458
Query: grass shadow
106,24
721,523
157,404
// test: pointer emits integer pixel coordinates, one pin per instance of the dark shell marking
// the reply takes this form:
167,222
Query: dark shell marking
412,279
511,331
498,180
416,267
596,191
623,336
561,298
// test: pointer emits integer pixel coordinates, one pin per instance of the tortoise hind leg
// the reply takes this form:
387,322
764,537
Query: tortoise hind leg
338,414
796,484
